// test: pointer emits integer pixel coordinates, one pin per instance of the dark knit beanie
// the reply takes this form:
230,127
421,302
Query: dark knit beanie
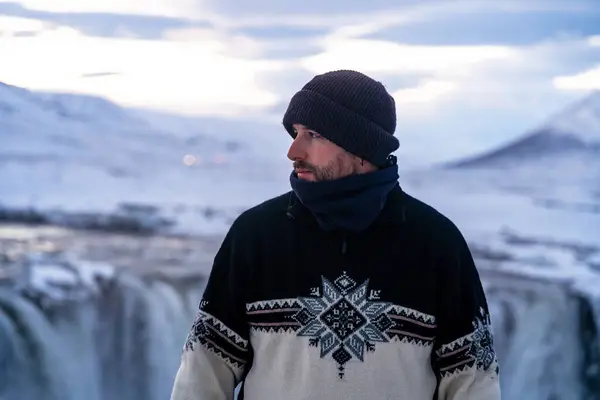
350,109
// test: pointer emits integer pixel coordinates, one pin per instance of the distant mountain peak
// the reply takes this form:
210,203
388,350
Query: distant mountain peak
574,129
581,120
64,106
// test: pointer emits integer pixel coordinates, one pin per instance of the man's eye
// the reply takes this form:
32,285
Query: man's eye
315,135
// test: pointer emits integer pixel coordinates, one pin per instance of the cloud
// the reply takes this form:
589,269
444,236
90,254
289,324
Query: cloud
493,28
182,76
10,26
583,81
587,80
350,18
425,92
378,56
98,74
357,18
236,45
164,8
108,24
346,19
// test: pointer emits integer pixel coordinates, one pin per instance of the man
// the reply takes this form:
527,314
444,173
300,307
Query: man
346,287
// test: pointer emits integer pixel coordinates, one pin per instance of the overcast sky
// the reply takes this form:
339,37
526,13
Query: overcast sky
466,75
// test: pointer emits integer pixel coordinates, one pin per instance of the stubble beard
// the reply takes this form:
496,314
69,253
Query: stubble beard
337,168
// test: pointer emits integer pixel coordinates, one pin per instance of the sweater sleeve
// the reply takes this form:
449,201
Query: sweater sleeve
216,352
464,357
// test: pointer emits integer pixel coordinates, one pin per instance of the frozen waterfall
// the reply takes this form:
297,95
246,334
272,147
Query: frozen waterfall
74,330
64,339
542,332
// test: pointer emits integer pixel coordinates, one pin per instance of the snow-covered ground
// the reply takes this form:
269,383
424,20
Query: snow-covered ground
83,154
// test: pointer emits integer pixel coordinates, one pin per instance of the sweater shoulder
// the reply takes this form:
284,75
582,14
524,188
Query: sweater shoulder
433,223
263,215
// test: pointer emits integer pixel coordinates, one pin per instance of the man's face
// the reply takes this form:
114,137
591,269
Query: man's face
316,158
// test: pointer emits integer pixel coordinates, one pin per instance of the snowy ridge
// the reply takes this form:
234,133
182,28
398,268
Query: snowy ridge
581,120
76,107
574,131
68,156
556,166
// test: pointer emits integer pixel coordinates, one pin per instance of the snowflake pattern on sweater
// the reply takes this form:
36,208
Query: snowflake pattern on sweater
343,319
473,350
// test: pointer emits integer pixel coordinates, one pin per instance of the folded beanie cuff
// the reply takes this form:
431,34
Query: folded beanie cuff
342,126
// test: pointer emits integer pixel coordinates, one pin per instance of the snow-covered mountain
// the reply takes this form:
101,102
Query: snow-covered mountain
559,162
557,165
574,131
77,153
547,181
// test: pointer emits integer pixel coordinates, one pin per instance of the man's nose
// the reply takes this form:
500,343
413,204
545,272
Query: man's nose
297,150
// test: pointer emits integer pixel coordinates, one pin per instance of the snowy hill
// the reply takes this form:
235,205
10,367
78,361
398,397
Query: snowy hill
556,165
75,153
573,132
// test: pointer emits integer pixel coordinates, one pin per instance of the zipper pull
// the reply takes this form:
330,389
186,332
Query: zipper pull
344,246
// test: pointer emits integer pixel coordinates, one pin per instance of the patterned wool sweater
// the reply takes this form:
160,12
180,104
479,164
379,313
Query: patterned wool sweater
294,312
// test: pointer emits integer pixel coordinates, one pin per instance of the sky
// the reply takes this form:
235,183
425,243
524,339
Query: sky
466,75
